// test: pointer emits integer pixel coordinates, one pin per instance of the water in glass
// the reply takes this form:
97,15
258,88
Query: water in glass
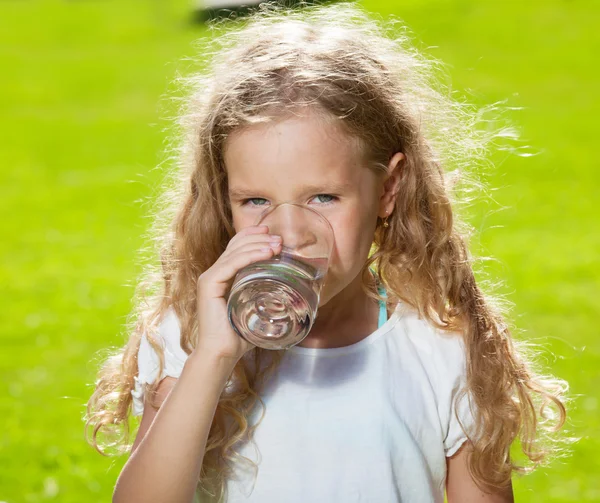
273,303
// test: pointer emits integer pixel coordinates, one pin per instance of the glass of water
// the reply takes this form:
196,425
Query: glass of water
273,303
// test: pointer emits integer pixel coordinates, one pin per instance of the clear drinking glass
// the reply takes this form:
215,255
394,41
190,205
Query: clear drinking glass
273,303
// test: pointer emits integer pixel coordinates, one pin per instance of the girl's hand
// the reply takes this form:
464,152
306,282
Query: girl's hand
216,337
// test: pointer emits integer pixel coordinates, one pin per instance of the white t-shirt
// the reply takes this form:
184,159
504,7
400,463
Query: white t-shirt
370,422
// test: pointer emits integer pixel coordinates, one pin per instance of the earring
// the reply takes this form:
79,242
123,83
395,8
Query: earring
385,222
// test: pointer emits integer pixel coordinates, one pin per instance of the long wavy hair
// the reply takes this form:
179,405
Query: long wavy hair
369,77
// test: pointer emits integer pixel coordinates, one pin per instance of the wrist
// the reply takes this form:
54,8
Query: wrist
216,362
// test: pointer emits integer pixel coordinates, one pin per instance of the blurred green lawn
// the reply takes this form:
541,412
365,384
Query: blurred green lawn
82,130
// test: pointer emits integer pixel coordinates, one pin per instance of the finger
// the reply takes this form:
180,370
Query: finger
217,283
251,248
248,231
264,239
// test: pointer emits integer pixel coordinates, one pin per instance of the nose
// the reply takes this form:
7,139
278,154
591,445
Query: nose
296,229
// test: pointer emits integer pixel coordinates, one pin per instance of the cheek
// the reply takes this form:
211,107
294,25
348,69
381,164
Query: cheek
242,220
353,238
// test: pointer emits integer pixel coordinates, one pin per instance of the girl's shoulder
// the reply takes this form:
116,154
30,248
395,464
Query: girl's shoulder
168,337
425,334
441,353
169,329
440,358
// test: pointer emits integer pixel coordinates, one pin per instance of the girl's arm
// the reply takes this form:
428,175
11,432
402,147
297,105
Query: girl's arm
461,488
165,464
162,392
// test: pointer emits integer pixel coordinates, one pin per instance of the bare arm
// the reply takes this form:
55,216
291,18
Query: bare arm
167,456
461,488
162,392
165,464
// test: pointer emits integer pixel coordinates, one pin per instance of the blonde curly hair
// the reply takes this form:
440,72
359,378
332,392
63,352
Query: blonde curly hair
383,92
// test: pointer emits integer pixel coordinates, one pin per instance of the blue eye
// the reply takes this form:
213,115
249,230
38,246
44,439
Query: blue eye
246,201
332,198
251,201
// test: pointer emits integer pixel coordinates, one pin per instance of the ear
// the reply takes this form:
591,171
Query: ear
391,185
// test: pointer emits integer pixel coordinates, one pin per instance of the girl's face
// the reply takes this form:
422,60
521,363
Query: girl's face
304,160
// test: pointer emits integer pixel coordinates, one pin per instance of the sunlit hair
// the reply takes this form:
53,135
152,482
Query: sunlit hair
367,77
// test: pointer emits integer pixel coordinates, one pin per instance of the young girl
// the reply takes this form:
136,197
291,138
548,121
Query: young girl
409,384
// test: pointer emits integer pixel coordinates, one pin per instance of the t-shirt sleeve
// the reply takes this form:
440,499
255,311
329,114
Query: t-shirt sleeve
169,333
455,369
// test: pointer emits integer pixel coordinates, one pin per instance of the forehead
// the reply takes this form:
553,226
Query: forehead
291,154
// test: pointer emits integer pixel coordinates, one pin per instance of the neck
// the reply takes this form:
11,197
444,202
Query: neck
347,318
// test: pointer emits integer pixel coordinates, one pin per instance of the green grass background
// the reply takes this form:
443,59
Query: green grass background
81,131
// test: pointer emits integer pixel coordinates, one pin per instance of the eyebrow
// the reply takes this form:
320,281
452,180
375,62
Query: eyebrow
327,188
